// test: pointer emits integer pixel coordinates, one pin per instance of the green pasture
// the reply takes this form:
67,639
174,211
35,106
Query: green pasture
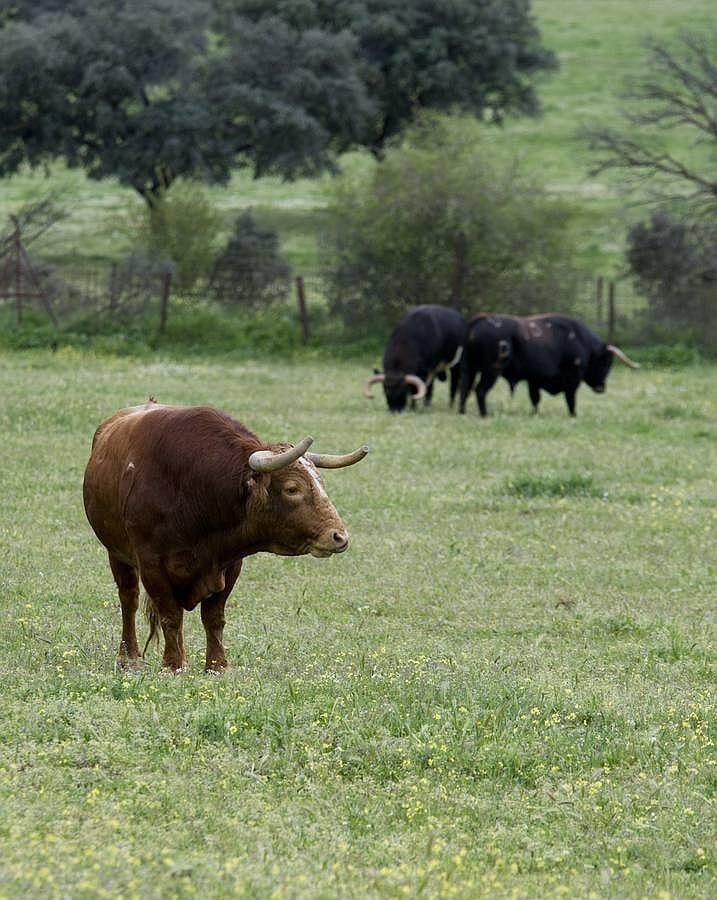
599,43
505,688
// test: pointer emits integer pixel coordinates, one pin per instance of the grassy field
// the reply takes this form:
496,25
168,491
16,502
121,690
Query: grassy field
599,43
505,688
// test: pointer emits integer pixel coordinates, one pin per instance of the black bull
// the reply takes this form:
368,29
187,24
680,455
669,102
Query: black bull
425,344
551,352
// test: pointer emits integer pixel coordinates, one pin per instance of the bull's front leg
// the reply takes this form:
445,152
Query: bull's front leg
429,394
487,379
570,399
214,620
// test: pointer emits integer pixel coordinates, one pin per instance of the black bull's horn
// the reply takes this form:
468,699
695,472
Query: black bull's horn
413,380
374,379
270,460
618,353
419,385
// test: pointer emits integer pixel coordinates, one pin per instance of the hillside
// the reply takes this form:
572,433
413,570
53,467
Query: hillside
599,45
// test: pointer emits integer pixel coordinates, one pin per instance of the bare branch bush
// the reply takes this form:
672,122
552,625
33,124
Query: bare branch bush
677,93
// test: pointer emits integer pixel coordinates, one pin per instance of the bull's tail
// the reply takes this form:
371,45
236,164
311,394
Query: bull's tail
152,616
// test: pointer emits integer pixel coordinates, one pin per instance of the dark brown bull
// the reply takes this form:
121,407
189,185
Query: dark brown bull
179,495
552,352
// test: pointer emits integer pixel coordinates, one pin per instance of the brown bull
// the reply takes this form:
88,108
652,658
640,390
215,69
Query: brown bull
179,495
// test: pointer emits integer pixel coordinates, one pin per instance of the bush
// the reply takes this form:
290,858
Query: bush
674,263
250,272
441,221
180,233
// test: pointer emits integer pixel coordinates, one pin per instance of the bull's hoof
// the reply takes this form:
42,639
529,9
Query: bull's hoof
216,667
174,667
130,664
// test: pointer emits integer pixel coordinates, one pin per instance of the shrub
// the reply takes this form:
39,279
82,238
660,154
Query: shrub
674,263
179,233
250,272
440,220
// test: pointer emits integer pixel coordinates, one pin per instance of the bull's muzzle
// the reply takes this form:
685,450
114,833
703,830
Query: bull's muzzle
336,541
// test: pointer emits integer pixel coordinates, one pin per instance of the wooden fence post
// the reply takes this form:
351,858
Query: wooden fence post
18,271
598,297
164,301
113,287
458,273
303,315
611,312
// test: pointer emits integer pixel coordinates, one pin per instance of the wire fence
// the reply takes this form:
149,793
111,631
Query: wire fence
100,294
121,293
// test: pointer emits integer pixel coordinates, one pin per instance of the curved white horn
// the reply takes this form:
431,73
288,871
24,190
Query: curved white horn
270,461
456,359
337,461
616,351
418,384
374,379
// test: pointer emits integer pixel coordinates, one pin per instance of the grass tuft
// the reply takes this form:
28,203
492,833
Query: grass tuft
570,485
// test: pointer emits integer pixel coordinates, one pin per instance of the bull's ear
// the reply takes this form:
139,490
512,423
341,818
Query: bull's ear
376,371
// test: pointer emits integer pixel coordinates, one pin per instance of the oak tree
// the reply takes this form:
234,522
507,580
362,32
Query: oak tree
149,91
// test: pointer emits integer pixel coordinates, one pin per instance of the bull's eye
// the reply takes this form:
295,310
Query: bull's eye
291,489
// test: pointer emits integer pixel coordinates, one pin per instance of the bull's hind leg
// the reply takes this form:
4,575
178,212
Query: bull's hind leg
171,619
467,379
127,581
455,375
213,620
169,614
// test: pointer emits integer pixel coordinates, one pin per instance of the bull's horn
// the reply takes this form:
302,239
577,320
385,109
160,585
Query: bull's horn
337,461
418,384
270,461
374,379
616,351
456,359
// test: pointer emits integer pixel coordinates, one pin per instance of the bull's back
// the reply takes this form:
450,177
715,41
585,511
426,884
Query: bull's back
448,327
426,336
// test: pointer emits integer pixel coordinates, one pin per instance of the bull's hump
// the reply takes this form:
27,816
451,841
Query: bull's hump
142,408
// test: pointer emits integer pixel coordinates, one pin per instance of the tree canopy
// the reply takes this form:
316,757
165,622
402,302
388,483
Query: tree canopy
149,91
476,56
